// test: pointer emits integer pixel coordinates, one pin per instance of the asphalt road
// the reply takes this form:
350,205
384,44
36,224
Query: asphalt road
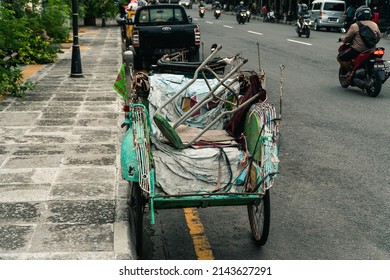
331,200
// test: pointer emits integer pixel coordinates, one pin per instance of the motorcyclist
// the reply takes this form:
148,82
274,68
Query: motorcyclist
302,11
133,5
353,38
201,4
142,3
264,11
217,5
239,8
271,16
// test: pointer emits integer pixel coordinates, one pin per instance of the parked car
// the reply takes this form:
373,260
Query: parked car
186,3
328,14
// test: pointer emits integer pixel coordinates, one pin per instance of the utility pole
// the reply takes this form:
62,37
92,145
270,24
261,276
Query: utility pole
76,69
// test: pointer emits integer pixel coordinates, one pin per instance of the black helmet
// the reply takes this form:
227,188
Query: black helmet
363,13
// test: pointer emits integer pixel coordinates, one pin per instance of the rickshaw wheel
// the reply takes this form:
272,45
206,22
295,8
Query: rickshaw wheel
136,215
259,219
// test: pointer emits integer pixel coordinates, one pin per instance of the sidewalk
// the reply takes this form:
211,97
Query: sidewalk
61,193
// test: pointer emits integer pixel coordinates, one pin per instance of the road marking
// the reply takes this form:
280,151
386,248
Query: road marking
210,22
253,32
228,26
201,244
299,42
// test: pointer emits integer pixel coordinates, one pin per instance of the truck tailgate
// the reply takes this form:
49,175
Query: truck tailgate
167,36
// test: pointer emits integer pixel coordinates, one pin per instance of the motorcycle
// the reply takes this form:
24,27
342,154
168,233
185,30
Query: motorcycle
248,15
368,73
217,12
241,16
201,11
303,26
270,17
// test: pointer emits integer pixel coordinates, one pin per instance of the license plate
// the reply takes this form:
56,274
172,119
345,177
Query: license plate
333,19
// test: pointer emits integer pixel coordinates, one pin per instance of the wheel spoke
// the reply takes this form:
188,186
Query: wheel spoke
259,219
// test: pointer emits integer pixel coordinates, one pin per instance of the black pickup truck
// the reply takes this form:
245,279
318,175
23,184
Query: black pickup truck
163,29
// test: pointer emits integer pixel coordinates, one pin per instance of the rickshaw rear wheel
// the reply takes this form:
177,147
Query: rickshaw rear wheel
259,219
136,215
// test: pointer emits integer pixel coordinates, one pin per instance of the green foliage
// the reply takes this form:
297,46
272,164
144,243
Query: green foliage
53,19
11,81
10,31
25,31
98,8
36,50
35,33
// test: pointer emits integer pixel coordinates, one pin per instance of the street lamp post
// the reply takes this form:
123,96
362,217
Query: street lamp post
76,69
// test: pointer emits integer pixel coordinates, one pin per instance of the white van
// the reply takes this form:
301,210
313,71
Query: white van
328,14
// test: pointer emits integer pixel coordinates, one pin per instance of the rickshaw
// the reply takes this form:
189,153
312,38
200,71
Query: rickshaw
198,134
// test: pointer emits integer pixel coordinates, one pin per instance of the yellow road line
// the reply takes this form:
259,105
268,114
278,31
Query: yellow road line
201,244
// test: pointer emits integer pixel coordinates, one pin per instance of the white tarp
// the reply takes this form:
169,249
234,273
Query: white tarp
194,170
189,170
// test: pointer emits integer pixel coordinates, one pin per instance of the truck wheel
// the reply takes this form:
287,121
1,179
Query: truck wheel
193,57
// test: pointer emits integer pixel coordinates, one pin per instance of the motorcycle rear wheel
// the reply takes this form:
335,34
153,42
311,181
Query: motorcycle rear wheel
307,32
376,86
342,79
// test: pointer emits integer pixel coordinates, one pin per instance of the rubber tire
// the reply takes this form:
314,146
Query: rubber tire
341,80
260,231
136,215
307,32
377,86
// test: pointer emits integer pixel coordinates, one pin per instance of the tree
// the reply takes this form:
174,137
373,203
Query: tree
33,29
92,9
